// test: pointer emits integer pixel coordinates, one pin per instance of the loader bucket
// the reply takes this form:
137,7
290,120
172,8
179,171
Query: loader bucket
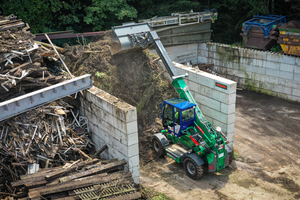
121,41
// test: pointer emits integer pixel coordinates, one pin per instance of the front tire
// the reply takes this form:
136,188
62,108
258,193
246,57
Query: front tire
157,147
192,169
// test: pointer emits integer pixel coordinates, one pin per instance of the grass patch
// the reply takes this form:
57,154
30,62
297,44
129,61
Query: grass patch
151,194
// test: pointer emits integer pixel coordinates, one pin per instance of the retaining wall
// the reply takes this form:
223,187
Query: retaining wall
216,103
266,72
113,123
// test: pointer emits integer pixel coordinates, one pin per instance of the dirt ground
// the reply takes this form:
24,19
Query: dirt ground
266,137
266,141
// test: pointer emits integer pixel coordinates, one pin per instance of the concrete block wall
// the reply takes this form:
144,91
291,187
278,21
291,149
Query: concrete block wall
266,72
216,103
113,123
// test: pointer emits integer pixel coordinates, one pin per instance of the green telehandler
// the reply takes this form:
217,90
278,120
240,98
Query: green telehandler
187,136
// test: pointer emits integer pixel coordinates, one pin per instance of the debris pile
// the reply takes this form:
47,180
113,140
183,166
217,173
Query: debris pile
48,136
23,62
89,179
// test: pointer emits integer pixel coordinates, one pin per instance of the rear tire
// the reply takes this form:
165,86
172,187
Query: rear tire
157,147
192,169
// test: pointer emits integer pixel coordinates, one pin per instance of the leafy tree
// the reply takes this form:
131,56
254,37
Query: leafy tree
103,13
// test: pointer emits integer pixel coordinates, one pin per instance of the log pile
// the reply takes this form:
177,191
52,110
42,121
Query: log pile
24,65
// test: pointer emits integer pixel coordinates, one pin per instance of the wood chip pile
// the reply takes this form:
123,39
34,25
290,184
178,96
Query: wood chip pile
23,62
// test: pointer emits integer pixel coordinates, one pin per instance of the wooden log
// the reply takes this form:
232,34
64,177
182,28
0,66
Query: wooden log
36,192
92,171
101,150
82,153
61,50
58,173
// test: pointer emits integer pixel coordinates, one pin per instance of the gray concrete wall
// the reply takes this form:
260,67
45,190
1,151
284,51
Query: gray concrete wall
266,72
113,123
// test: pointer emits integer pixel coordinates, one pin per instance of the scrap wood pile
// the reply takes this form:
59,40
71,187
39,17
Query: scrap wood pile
23,62
89,179
46,138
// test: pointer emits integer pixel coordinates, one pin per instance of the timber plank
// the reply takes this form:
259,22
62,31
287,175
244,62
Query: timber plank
92,171
45,190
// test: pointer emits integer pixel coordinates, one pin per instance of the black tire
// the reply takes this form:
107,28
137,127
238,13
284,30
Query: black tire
192,169
157,147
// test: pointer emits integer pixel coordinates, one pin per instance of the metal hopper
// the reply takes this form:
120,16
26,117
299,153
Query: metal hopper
122,36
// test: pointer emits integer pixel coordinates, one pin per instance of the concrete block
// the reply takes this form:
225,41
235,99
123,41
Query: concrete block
217,115
236,66
202,53
287,67
135,171
286,75
202,46
272,65
297,68
282,89
130,115
175,49
274,57
132,138
296,92
268,79
262,55
210,54
133,150
133,161
131,127
288,60
227,108
249,53
288,83
230,85
209,102
273,72
294,98
296,77
118,124
232,98
230,128
202,59
202,79
193,46
209,92
211,47
256,69
193,86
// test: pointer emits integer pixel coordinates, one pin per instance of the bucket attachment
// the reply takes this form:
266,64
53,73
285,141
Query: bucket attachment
121,39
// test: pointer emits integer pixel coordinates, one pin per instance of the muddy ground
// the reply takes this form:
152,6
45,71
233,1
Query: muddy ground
267,165
266,139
